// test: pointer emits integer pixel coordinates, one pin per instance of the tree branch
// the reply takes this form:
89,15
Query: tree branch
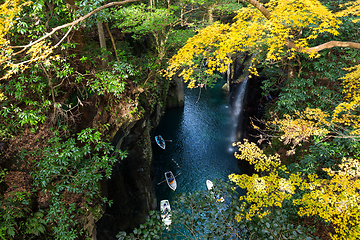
260,7
290,44
74,22
332,44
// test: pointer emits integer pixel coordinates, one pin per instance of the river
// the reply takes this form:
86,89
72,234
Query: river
198,142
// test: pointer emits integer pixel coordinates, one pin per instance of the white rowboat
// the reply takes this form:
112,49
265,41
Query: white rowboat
210,185
170,180
165,210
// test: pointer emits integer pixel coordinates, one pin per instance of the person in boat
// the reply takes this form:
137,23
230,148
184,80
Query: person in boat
170,178
160,140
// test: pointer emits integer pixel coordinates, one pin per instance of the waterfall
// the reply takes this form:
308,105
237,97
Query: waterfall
237,110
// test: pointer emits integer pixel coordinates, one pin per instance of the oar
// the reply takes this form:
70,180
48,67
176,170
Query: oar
175,163
165,179
164,140
161,182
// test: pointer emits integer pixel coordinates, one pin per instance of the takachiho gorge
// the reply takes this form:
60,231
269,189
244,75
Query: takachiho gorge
198,140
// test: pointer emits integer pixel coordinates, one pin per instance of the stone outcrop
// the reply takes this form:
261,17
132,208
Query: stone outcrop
176,95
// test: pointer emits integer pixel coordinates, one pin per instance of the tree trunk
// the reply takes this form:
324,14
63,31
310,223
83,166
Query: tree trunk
102,43
112,41
210,14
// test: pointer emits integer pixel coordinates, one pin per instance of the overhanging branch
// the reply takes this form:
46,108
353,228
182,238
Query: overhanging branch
77,21
290,44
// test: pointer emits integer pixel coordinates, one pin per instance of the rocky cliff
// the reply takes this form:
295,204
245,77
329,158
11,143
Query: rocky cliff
131,185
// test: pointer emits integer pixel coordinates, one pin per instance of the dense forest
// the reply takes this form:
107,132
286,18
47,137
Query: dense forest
75,73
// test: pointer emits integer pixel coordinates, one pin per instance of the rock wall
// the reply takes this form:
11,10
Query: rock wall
131,185
176,95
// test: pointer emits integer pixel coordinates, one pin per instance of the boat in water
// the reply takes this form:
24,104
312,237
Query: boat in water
165,210
160,141
210,185
170,180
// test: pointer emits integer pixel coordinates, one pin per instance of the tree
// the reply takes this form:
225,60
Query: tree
37,78
317,176
278,190
276,31
39,49
141,20
70,169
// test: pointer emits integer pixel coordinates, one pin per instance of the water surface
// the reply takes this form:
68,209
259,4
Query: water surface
198,142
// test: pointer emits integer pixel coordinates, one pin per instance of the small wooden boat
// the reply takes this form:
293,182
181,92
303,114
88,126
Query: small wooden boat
170,179
160,141
165,211
210,185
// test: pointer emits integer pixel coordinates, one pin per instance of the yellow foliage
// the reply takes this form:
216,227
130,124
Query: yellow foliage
250,152
300,130
352,82
266,191
252,31
8,11
37,52
335,200
351,8
262,193
343,122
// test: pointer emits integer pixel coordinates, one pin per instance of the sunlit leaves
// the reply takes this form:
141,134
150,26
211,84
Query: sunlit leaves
250,152
8,11
270,29
113,81
335,200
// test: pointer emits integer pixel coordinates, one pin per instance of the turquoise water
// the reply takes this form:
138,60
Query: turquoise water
198,142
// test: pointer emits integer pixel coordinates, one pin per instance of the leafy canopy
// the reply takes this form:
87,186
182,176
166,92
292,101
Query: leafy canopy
335,200
276,31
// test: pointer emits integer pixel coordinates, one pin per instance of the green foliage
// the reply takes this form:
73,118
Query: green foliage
17,218
151,229
140,20
178,38
112,81
35,20
280,224
195,215
73,167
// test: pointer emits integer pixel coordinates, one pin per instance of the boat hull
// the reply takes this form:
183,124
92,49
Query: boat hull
160,141
170,180
210,185
165,211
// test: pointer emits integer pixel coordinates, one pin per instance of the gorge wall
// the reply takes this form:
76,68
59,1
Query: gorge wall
131,185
